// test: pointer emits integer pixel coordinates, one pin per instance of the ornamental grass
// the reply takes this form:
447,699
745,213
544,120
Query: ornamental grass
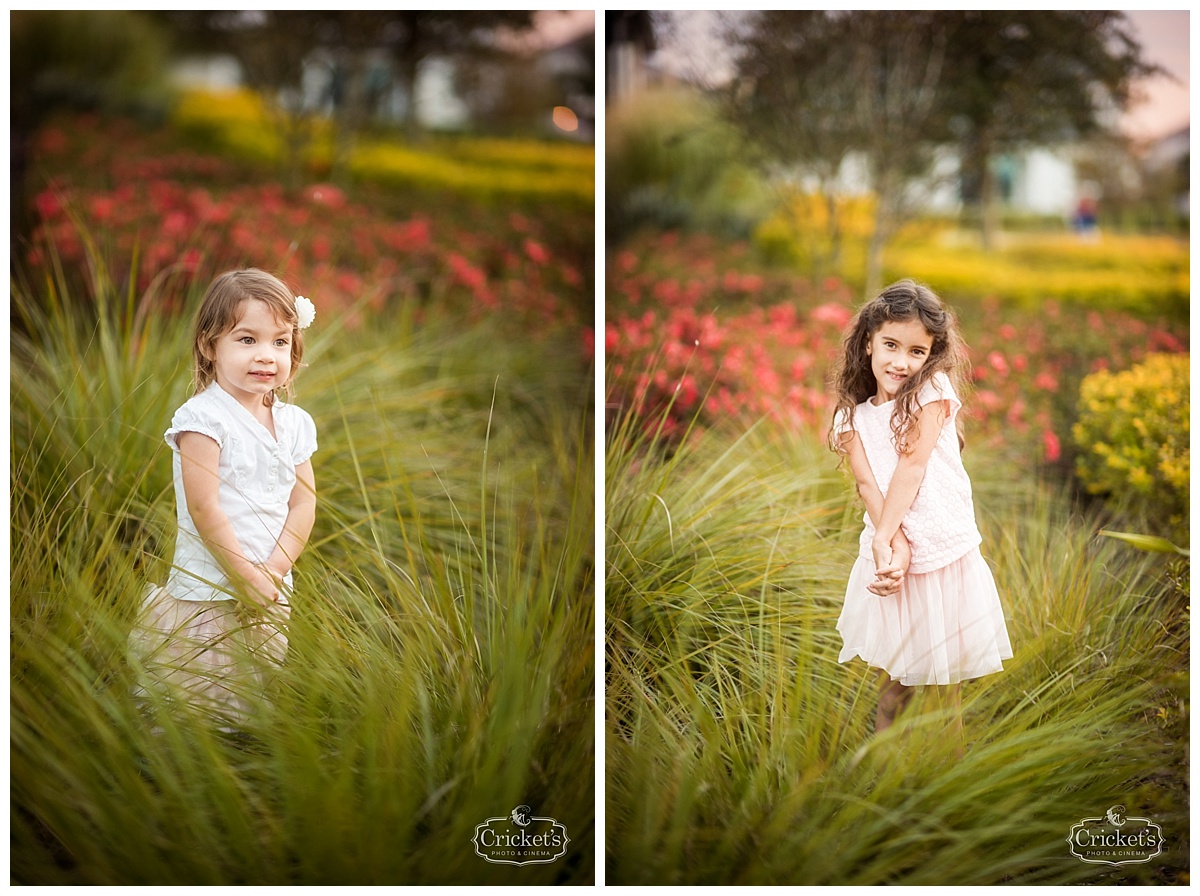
739,751
441,662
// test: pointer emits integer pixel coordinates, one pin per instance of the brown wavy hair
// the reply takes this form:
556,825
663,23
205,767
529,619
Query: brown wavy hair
852,380
221,309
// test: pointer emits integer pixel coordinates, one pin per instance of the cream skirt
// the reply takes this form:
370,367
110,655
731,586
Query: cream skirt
942,627
215,656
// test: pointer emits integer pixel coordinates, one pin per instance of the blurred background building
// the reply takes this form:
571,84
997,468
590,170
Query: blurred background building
505,74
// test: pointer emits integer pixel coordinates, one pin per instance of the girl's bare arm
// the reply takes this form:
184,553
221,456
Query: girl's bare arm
889,573
302,512
864,478
910,472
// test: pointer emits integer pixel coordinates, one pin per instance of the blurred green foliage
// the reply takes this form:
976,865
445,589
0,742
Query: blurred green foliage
85,59
671,162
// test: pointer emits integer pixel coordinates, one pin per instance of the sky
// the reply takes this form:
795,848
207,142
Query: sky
1165,38
1163,109
553,27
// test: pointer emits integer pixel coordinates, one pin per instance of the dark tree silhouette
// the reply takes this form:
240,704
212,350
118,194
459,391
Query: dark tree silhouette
1016,78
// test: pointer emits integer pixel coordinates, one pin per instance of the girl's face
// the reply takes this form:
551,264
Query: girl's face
255,357
898,350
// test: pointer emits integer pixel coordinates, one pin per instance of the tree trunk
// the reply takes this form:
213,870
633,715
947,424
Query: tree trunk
874,282
889,207
988,224
349,117
981,151
409,68
835,229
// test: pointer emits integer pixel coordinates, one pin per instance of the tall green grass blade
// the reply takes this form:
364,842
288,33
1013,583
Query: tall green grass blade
739,751
429,686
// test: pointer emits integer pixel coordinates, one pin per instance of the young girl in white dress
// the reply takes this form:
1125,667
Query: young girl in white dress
921,603
245,503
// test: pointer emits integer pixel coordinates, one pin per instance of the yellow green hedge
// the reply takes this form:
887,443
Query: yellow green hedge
241,122
400,165
1145,275
1141,274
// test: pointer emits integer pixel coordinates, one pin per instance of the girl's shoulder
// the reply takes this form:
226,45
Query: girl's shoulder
292,413
202,413
300,430
938,388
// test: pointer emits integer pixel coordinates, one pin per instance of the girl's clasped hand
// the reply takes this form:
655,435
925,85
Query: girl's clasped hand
891,563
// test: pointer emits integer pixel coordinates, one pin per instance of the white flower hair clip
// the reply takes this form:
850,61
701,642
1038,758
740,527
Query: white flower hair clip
306,312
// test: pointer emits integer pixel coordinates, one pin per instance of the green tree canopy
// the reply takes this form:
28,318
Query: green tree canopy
1016,78
812,88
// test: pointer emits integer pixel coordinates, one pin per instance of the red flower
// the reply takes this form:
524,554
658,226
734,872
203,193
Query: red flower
571,276
465,273
47,204
190,260
611,338
752,283
536,252
102,208
832,313
989,399
175,224
1051,445
1046,380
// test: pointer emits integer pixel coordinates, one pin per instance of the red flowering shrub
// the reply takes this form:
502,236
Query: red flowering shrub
716,341
696,334
176,219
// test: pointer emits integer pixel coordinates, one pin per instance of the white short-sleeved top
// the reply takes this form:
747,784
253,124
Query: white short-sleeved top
940,525
256,472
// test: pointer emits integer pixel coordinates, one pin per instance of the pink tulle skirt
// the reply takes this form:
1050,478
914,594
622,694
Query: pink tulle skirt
212,655
942,627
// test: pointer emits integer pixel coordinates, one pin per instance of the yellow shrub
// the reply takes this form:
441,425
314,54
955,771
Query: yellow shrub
798,234
1133,433
396,164
525,154
234,119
